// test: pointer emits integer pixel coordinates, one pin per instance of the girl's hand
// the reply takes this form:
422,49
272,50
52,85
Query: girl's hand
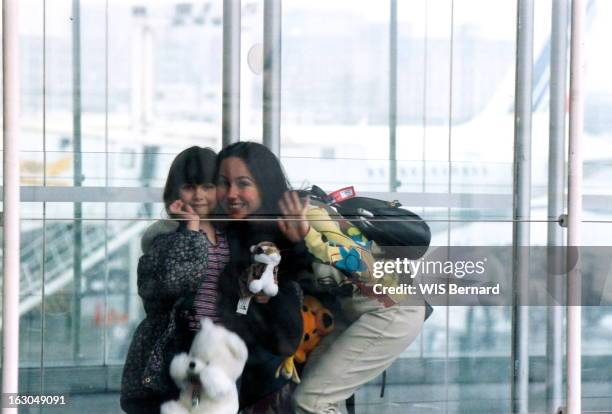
184,211
293,208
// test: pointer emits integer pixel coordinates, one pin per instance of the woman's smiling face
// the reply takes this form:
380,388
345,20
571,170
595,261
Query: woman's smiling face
237,191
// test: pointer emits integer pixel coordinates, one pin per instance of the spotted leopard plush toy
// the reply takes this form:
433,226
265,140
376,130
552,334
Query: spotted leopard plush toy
318,322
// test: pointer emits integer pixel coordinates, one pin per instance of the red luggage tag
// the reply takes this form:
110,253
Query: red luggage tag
342,194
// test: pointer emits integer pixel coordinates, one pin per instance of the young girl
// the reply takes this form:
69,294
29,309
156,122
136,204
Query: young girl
177,281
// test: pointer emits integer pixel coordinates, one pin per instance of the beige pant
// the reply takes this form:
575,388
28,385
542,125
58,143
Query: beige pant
363,345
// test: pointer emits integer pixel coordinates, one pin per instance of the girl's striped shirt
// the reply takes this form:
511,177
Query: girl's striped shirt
205,302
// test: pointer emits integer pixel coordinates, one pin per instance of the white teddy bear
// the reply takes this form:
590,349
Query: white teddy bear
207,375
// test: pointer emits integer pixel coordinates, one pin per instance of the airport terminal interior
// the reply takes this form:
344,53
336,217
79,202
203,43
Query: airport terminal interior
408,100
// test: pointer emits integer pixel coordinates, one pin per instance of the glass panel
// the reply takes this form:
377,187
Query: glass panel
151,86
31,69
423,56
334,98
596,321
71,337
30,321
124,309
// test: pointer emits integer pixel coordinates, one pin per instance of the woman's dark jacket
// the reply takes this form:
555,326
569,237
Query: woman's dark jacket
273,330
169,274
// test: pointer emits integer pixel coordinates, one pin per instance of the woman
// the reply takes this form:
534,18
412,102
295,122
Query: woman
250,183
371,331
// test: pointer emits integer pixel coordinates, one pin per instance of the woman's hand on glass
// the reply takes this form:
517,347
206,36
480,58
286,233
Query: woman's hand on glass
294,209
184,211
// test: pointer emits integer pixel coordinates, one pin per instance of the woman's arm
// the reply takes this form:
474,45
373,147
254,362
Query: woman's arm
173,266
323,236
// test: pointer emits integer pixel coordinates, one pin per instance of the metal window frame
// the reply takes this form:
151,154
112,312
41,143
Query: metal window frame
574,201
10,192
272,26
231,72
556,193
522,206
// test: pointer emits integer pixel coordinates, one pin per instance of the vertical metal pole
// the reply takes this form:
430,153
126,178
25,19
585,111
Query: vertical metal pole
10,218
133,301
393,183
147,173
137,66
425,101
142,83
574,283
148,75
78,174
556,190
522,206
449,190
272,75
43,316
424,137
231,72
106,181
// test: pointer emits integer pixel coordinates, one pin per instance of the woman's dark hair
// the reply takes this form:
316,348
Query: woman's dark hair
265,168
193,166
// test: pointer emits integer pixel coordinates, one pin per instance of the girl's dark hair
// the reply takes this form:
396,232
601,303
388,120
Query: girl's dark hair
265,168
193,166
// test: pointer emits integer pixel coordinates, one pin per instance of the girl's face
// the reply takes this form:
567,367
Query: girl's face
202,197
237,191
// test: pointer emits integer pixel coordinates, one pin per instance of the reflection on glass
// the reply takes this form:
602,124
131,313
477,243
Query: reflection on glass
151,86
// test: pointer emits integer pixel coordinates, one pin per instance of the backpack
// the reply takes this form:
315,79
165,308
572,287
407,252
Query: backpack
398,231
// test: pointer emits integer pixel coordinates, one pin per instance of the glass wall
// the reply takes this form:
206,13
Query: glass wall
112,91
